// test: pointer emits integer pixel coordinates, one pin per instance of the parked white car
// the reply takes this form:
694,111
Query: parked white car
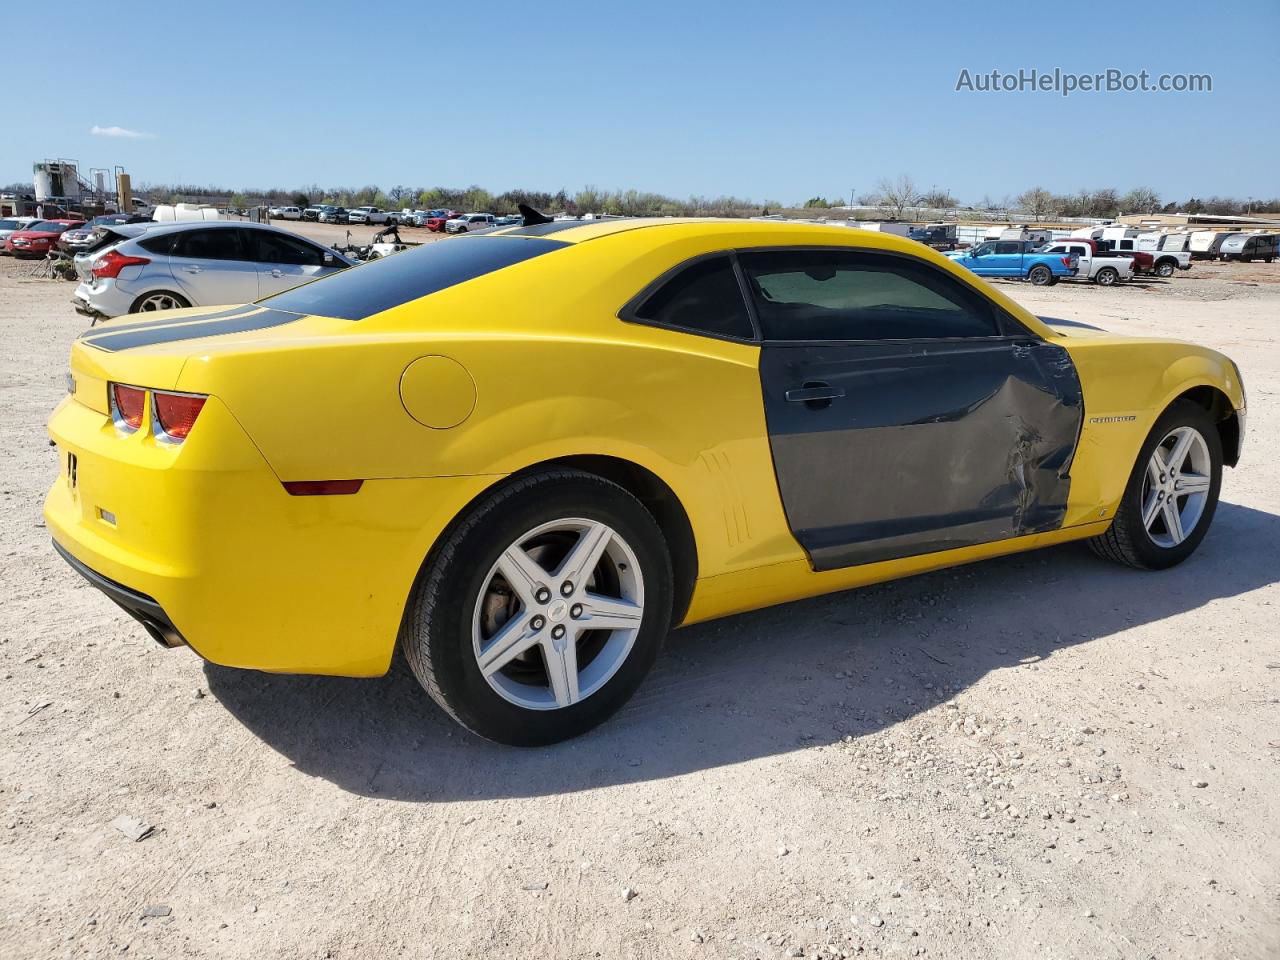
1101,268
366,215
469,221
141,267
12,225
286,213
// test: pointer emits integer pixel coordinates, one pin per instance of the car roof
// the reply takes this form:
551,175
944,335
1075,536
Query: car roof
131,230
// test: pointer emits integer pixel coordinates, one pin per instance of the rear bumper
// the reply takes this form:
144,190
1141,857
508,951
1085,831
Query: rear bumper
142,608
102,299
202,544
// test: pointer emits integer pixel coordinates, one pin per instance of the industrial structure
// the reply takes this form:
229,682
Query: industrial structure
60,186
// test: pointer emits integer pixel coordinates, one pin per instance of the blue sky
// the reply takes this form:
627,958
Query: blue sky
758,99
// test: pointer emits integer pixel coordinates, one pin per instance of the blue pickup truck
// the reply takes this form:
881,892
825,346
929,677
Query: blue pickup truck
1017,260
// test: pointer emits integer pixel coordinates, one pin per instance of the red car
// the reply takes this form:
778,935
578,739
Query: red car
38,238
436,224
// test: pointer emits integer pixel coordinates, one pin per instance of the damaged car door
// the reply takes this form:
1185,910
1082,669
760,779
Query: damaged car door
907,413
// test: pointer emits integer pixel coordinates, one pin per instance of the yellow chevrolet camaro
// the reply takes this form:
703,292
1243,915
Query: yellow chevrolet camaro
525,455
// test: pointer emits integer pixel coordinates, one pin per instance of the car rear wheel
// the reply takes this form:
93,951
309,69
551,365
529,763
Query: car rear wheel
540,612
1164,269
1172,493
1107,276
158,300
1040,276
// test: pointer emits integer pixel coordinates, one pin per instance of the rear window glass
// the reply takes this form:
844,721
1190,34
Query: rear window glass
390,281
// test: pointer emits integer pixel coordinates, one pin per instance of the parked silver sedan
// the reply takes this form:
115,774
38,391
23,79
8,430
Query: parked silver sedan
136,268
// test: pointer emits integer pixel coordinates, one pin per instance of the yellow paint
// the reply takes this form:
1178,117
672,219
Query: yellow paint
437,392
538,368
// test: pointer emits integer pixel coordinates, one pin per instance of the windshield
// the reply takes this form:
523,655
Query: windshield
46,225
9,224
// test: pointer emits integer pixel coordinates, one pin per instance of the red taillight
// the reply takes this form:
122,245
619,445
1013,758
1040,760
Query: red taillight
176,413
1066,262
322,488
109,265
129,403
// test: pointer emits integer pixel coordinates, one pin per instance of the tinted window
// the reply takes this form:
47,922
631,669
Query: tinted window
390,281
1009,246
703,298
210,245
159,244
834,295
8,224
277,248
985,250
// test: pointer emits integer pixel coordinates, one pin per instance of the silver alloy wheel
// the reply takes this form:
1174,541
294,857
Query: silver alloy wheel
558,614
1176,486
159,301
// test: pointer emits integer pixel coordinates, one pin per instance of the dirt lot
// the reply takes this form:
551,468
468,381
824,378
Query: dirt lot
1042,756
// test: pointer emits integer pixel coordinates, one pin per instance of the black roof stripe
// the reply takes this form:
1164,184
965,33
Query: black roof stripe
259,320
555,226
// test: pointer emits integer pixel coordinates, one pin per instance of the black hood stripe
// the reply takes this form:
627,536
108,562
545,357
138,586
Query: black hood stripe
95,333
259,320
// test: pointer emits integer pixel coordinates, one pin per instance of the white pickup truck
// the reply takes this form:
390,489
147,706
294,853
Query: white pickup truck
1102,268
366,215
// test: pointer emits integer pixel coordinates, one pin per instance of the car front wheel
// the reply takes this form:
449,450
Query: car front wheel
1172,493
539,613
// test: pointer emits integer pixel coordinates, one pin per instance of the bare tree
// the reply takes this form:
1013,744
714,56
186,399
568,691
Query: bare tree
938,199
1038,202
1140,200
896,195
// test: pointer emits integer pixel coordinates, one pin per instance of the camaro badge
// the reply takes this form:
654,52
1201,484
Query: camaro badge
1112,419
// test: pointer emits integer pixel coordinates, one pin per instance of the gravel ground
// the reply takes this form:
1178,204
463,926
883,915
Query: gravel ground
1041,756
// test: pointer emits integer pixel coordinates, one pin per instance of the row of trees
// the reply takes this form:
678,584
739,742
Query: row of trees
901,197
896,198
589,199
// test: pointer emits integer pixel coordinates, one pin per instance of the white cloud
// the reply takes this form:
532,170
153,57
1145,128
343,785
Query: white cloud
124,132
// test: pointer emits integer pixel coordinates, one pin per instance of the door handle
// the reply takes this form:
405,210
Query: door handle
191,268
816,393
277,272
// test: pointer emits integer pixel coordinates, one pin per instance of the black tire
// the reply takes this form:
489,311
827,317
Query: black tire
436,635
1040,276
1165,268
1107,276
1126,540
181,301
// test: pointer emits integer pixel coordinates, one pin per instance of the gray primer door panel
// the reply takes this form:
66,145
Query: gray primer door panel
912,447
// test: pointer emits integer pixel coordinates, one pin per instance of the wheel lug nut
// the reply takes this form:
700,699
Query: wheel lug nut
537,623
575,611
557,632
566,588
542,595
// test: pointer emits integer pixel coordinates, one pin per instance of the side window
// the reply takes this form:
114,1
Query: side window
210,245
985,250
1009,246
838,295
276,248
162,244
702,298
